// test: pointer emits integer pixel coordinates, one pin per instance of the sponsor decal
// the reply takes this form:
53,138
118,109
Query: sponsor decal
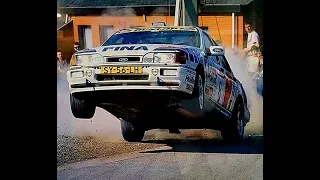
122,48
157,29
189,79
123,59
217,50
192,72
189,87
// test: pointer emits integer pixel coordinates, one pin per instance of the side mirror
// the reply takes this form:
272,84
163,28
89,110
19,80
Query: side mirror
216,50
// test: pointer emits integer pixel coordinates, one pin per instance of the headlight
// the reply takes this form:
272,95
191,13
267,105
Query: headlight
159,58
168,58
148,58
164,57
90,59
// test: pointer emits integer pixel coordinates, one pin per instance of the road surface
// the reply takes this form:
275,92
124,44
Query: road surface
179,159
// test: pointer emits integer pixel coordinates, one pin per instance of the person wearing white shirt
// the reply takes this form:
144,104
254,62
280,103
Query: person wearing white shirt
253,62
253,37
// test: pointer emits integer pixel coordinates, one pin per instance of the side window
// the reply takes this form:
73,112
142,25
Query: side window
204,28
206,41
215,43
212,42
225,63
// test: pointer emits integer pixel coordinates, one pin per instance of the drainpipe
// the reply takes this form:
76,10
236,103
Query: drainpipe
177,13
232,31
183,13
67,19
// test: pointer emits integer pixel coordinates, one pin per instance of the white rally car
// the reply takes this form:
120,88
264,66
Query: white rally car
141,74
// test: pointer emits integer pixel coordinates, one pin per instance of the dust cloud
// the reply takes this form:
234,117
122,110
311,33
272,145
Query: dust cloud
103,124
119,12
127,17
159,10
255,100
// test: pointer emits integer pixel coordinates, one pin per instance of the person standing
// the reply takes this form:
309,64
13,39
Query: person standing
253,62
62,64
252,39
76,47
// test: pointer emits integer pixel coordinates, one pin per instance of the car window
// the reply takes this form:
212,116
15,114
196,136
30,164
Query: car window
212,42
206,41
225,63
190,38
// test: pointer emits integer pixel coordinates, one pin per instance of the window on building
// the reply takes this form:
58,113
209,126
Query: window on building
105,32
85,36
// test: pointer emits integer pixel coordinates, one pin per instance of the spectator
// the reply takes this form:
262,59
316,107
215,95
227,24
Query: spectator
62,64
252,39
75,47
253,61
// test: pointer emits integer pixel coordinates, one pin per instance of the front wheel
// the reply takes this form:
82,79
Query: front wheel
196,104
130,132
81,108
234,129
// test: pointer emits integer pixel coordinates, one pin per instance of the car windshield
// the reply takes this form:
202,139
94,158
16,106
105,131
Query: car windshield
189,38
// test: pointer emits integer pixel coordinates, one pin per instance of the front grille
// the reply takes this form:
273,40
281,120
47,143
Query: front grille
121,77
123,59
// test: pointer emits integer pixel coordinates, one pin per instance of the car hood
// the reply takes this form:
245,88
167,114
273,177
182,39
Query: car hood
129,49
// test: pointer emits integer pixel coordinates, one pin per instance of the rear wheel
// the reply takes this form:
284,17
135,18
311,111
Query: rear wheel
234,129
130,132
81,108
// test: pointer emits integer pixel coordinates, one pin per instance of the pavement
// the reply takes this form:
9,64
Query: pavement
177,159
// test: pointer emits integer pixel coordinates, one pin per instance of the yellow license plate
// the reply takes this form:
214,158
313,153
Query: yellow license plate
121,70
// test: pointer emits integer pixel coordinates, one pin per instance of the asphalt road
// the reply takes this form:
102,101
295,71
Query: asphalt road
178,159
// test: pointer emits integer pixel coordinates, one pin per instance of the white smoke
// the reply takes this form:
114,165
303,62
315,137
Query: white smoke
159,10
255,100
119,12
126,17
103,124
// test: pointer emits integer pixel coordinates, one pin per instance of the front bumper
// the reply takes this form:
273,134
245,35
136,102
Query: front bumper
154,77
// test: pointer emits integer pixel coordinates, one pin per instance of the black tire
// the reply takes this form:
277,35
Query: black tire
130,132
233,130
196,92
82,108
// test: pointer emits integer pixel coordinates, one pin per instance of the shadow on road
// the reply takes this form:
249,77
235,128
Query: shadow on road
250,145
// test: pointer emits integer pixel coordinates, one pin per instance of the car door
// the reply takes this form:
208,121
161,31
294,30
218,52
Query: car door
229,96
214,75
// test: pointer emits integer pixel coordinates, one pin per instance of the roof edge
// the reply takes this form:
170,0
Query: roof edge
64,25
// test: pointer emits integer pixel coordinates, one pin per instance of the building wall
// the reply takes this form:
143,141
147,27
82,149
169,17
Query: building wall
219,27
65,40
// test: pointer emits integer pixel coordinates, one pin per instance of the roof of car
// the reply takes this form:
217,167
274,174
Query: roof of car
156,28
